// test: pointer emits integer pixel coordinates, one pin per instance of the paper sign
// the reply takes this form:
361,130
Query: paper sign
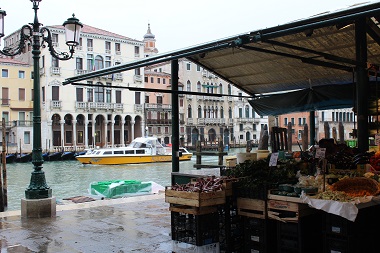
273,159
320,153
377,139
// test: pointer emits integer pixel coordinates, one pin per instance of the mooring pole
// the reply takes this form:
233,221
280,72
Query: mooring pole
175,117
4,198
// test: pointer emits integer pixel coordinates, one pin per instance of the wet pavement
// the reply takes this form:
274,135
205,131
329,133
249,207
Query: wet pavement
134,224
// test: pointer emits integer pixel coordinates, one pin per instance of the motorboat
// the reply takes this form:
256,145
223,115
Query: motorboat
140,150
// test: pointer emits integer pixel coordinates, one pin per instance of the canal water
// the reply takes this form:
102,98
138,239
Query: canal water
70,178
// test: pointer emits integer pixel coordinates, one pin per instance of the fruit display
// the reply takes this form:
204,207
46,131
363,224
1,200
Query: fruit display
357,186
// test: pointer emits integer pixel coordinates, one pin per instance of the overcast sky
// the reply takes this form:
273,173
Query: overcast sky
176,24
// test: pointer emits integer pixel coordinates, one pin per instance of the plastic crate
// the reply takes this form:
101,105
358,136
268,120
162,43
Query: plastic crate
181,247
197,230
259,235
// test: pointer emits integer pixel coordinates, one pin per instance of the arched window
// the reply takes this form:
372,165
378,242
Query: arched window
189,114
199,87
199,112
208,112
205,112
246,111
229,89
98,62
221,113
188,85
220,89
230,113
216,112
99,92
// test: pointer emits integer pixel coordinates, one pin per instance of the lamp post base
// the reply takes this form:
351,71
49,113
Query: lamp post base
38,208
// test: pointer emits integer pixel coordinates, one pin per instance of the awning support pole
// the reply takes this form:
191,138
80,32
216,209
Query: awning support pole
175,117
362,87
312,128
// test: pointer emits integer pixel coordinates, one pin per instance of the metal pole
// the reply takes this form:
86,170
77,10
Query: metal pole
175,117
362,87
4,172
312,128
38,189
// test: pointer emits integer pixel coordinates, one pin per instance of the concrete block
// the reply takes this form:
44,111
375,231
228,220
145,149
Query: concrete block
38,208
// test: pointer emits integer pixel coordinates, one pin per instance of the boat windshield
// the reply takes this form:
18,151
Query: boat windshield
136,144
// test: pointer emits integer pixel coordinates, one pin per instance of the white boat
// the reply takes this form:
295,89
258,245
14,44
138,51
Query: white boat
140,150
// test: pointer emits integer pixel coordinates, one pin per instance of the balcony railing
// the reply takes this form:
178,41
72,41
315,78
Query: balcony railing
190,121
137,78
118,76
5,101
138,107
22,123
98,106
55,71
108,51
80,71
158,106
56,104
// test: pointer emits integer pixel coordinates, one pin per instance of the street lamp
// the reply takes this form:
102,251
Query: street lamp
37,36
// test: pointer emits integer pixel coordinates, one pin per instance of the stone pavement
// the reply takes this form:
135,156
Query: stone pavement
134,224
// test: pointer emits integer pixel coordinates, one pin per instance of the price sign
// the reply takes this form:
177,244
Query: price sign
377,139
320,153
273,159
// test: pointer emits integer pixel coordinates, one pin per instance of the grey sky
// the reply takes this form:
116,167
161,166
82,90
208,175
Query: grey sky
176,24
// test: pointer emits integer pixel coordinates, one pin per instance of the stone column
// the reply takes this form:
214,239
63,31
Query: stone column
74,122
132,130
86,133
122,133
112,133
62,122
93,133
104,137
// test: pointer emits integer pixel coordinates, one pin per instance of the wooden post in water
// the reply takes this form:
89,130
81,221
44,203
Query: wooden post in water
198,152
4,198
220,153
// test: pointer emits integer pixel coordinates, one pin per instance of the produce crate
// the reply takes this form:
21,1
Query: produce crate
181,247
230,227
192,209
259,235
287,211
303,236
192,229
197,199
251,207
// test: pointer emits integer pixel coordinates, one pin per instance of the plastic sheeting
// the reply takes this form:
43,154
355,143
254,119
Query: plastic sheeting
311,99
120,188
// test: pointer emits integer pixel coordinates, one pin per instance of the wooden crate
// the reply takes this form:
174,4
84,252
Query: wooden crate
287,211
196,199
227,186
255,208
192,209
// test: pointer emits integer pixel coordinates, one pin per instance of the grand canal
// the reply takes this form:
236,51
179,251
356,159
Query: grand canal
71,178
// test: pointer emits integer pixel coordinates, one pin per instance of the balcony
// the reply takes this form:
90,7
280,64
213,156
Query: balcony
98,106
55,104
90,49
108,51
118,52
138,108
55,71
230,121
201,121
5,101
80,71
156,107
22,123
118,76
42,71
107,77
137,78
190,121
79,48
189,96
137,55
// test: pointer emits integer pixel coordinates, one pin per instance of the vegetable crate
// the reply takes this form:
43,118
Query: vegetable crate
192,229
255,208
230,226
303,236
258,235
197,199
287,211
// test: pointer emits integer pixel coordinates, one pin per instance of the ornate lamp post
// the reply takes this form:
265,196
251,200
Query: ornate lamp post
38,37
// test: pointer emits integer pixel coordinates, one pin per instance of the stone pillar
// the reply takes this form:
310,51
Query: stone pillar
104,135
86,133
74,122
122,133
132,130
62,122
93,133
112,133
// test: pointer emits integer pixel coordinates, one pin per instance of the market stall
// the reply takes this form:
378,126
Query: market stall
312,201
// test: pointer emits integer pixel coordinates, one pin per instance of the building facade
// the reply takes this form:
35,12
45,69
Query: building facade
16,104
93,114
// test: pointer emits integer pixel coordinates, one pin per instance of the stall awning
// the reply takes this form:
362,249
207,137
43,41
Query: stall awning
310,99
